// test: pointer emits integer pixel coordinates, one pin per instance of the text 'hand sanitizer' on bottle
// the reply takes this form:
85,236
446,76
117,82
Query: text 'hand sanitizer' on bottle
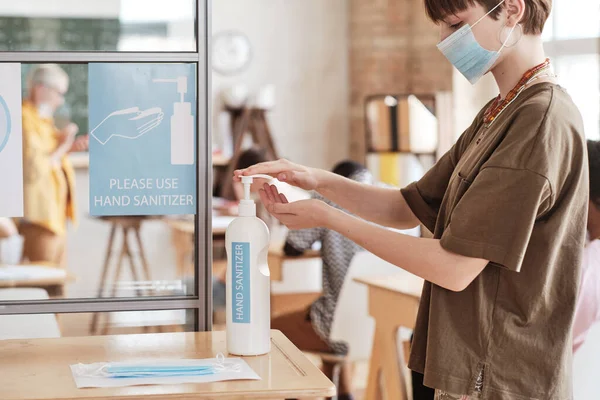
248,280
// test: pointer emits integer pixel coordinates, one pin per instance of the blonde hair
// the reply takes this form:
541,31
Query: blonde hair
50,75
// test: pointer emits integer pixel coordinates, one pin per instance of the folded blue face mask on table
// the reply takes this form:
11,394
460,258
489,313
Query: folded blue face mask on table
161,371
158,369
147,371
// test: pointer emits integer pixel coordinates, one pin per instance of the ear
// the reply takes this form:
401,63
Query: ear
515,12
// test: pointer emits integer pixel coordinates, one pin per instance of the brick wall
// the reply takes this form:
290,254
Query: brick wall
392,51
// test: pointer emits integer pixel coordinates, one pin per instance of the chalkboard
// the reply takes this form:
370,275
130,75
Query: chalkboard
62,34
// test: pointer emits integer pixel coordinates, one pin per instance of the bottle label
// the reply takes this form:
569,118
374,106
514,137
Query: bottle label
240,282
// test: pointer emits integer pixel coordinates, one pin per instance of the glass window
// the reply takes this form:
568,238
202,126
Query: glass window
150,261
576,19
91,25
548,32
38,326
121,256
579,74
571,35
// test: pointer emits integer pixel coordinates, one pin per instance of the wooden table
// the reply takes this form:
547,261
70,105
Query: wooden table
277,257
55,285
182,239
39,369
393,303
183,235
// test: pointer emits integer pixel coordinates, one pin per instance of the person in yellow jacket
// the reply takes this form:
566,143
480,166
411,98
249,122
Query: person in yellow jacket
49,178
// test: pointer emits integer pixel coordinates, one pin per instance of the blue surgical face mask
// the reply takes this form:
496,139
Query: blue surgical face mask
466,54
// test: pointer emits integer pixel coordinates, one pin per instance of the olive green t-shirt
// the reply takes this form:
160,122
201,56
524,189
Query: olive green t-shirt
518,198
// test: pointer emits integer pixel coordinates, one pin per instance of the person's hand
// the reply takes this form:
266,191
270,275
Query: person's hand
81,143
303,214
129,123
285,171
67,134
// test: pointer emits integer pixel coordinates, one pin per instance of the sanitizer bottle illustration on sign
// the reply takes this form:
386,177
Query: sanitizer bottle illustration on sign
182,126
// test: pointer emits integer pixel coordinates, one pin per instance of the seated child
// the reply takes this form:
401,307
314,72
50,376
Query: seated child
309,329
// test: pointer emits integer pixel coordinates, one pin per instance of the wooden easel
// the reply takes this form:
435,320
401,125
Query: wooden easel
126,224
247,120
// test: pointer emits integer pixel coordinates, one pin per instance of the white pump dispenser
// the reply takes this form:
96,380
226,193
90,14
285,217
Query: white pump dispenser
248,280
182,125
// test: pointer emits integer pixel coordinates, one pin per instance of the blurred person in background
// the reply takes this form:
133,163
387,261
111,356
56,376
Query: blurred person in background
588,302
309,328
49,178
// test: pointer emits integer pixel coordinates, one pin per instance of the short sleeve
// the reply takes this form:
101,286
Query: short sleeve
496,215
425,196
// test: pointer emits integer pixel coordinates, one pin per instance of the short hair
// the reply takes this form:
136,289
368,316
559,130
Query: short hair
50,75
250,157
536,11
348,168
594,163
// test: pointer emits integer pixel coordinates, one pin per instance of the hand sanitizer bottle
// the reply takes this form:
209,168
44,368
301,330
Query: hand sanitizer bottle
248,280
182,126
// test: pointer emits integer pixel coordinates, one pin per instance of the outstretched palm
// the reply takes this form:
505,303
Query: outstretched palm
130,123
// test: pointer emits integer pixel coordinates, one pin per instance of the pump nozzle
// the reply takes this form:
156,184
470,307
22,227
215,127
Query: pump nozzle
247,181
247,206
181,82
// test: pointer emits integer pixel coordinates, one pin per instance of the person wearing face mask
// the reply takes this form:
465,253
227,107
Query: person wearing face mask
507,205
49,178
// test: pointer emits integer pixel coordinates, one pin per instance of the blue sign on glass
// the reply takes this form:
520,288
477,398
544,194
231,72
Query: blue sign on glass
142,139
240,282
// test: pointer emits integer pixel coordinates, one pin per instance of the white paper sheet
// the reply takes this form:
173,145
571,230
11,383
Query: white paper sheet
82,381
30,272
11,153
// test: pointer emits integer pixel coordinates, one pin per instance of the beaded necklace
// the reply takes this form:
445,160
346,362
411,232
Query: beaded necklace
499,105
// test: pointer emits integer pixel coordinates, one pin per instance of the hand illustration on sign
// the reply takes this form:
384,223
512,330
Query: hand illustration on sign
5,124
129,123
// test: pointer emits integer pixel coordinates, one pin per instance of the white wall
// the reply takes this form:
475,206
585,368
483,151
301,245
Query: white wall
469,99
61,8
301,46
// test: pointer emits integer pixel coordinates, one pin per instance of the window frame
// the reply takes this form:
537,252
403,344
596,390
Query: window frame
201,302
